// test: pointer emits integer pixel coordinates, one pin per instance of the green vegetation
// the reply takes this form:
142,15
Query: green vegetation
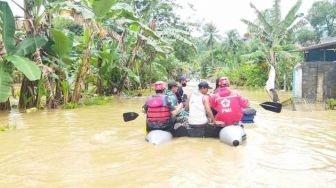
7,127
70,105
100,100
331,104
88,101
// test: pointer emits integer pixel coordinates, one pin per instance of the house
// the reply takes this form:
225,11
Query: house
315,78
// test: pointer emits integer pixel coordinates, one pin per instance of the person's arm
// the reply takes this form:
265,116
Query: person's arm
179,94
174,110
208,110
244,103
144,108
177,110
212,102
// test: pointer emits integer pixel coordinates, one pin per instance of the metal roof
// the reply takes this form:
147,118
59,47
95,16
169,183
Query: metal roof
318,46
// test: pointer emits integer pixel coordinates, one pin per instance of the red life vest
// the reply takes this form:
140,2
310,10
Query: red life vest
158,109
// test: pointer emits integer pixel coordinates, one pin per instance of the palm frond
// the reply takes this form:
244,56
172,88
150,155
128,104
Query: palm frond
291,15
276,13
256,29
262,19
253,25
296,26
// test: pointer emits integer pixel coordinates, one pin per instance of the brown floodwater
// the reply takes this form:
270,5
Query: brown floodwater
93,147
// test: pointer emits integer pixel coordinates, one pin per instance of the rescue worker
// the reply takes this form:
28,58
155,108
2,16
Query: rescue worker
229,105
160,111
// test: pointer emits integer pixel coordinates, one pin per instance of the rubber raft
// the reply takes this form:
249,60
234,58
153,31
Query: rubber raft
233,135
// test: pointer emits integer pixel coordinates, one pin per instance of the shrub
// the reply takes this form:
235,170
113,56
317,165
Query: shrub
248,74
331,104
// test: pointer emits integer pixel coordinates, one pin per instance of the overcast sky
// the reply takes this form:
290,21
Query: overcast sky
225,14
15,9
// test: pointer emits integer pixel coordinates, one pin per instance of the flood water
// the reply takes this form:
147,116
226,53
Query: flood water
93,147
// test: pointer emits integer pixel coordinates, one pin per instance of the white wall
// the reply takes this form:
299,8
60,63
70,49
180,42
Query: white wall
297,85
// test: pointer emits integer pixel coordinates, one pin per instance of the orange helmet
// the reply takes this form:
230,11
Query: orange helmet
224,82
159,85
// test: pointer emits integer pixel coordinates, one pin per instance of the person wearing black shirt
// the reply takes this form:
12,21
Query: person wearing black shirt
179,93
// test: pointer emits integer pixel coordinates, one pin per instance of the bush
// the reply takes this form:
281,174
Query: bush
7,127
70,106
69,24
331,104
100,100
248,74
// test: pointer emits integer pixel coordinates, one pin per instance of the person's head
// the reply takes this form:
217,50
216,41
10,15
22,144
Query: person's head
204,87
183,81
159,87
223,82
172,86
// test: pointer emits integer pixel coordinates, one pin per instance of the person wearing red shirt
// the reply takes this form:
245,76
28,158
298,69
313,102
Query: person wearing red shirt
229,105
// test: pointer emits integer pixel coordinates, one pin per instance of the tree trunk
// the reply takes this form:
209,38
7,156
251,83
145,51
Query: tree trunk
28,98
130,63
212,58
86,86
79,79
28,93
138,45
100,88
83,67
270,85
58,90
5,106
285,82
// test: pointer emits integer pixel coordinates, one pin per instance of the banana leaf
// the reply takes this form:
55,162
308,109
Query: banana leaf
6,81
7,28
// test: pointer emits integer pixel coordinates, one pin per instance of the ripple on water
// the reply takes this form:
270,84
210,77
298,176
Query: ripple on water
294,144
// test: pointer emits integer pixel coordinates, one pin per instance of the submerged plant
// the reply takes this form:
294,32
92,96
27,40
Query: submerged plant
7,127
70,105
99,100
96,101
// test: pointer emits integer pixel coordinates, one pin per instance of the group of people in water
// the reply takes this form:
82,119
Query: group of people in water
170,107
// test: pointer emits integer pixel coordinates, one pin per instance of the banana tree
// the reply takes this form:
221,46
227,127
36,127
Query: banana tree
156,38
35,26
272,31
8,59
101,18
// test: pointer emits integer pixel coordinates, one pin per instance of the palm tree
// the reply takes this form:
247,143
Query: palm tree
234,40
273,31
210,34
231,48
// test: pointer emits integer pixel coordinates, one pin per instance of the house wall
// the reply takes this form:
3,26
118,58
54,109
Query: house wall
319,80
297,82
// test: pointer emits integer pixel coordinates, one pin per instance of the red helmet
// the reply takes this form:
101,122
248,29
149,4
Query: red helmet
224,82
159,85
